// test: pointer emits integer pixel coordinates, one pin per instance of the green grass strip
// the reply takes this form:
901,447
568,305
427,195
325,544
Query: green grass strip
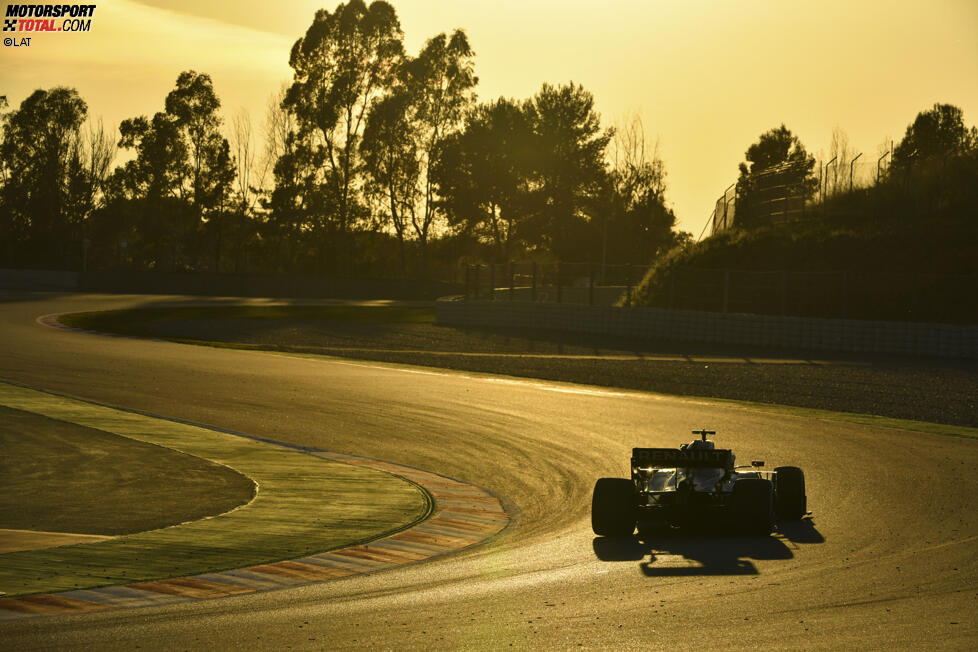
61,477
304,505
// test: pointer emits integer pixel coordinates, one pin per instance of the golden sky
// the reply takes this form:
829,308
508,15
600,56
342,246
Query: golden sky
706,76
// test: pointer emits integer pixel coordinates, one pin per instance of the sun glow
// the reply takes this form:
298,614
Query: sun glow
706,77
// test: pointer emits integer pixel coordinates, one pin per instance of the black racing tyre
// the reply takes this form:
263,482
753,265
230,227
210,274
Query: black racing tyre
753,506
613,507
790,502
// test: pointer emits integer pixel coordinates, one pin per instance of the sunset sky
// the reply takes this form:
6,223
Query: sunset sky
706,77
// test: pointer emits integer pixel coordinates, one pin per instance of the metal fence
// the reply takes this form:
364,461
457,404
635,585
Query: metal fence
778,202
580,283
837,177
936,298
846,295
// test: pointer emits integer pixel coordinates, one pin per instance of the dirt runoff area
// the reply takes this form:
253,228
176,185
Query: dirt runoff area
933,390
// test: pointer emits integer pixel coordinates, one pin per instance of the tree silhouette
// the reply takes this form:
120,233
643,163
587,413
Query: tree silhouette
293,200
569,168
836,179
440,81
375,152
178,186
636,224
393,163
407,130
777,169
43,174
484,175
193,106
936,133
342,66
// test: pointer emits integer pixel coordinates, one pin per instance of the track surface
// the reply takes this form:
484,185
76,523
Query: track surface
889,558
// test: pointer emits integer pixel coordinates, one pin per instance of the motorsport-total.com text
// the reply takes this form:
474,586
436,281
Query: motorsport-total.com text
41,18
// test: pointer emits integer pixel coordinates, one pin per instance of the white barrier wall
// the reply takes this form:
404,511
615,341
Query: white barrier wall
943,340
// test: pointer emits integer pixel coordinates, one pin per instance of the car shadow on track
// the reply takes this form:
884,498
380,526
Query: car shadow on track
665,552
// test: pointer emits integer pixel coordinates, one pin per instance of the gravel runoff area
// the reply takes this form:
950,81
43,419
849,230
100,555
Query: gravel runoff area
932,390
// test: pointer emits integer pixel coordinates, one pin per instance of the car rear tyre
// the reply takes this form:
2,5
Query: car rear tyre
613,507
789,491
753,506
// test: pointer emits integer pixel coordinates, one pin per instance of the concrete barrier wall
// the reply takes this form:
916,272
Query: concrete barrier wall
262,286
223,285
38,279
855,336
602,296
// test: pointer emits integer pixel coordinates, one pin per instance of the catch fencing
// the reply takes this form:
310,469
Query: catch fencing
931,298
934,298
774,197
576,283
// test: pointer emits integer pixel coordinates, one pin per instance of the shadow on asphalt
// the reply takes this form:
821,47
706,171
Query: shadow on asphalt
664,552
803,531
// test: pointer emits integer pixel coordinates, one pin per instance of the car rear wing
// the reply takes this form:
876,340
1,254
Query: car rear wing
665,458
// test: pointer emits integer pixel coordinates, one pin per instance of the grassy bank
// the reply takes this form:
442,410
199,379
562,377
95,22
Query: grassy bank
304,505
61,477
901,272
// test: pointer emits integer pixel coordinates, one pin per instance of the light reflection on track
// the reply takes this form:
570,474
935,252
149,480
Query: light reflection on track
865,574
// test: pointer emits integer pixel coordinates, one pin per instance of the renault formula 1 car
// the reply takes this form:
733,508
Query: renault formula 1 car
697,484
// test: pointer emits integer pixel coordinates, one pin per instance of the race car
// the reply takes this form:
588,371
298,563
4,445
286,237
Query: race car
696,485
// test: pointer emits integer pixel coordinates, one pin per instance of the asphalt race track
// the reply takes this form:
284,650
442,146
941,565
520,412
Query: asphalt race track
889,558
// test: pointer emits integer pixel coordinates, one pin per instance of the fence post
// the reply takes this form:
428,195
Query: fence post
845,295
475,281
726,290
852,167
590,287
560,286
915,298
492,282
672,287
533,291
512,288
784,293
628,283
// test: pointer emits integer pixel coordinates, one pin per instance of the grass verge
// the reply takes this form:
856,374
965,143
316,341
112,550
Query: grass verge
304,505
62,477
